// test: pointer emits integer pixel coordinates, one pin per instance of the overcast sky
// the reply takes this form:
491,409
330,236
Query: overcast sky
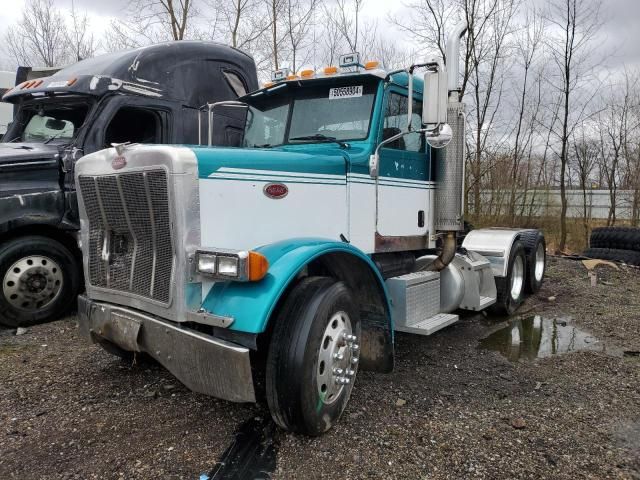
620,32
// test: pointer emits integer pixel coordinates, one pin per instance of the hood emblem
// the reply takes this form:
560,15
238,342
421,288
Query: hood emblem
275,190
118,162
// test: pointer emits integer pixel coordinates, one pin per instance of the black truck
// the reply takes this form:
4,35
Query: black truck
146,95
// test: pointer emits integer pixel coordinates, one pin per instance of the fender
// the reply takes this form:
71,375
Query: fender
494,244
251,304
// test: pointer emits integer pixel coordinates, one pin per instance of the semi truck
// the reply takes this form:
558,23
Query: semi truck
276,263
145,95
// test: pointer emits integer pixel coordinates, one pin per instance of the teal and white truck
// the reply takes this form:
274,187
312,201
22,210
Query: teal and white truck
277,261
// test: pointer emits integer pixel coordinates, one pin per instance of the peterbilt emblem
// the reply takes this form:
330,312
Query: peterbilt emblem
118,162
275,190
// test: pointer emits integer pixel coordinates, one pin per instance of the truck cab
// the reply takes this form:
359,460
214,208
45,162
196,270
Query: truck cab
149,95
280,260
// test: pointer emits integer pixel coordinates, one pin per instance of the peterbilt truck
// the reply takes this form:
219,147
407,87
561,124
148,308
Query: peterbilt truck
145,95
278,266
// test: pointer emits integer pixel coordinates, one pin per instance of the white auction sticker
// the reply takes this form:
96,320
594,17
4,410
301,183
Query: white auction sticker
345,92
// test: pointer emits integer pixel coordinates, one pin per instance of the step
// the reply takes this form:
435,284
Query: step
430,325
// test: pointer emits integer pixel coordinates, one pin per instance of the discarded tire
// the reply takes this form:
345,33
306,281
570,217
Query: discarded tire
630,257
624,238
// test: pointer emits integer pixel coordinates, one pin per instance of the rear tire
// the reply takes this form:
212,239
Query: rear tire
622,238
510,289
310,351
630,257
40,279
535,249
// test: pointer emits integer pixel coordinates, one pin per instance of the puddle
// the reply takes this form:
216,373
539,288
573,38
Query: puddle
534,337
251,455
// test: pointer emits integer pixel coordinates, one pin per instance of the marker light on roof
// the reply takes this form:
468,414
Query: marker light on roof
308,73
349,60
292,76
371,65
330,70
280,75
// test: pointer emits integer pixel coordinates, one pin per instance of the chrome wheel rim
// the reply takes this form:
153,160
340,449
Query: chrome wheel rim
337,358
517,277
32,283
539,267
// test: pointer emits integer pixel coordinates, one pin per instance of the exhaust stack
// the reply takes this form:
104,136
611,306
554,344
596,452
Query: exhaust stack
450,166
450,163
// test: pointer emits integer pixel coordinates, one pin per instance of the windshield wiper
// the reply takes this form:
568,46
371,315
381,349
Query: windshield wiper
319,137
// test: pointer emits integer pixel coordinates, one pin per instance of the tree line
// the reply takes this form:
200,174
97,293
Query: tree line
542,111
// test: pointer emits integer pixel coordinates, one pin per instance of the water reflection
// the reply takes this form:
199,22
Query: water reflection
538,337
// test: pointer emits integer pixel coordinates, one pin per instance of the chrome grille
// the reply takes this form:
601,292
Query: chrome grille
130,240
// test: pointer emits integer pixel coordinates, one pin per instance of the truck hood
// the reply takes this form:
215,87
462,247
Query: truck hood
318,159
26,152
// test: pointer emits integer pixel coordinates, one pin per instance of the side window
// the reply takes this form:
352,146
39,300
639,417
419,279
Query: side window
395,121
136,125
235,82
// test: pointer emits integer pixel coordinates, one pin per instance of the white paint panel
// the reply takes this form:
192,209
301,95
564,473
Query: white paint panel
362,215
236,214
398,208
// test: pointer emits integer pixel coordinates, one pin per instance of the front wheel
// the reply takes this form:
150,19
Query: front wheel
510,289
313,356
40,279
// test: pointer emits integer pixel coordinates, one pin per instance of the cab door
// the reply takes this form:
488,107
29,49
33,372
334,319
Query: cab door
404,186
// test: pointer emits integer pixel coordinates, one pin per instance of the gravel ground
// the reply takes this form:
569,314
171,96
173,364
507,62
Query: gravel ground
450,409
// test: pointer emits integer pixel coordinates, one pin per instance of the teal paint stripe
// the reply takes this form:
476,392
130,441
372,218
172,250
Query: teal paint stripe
262,180
417,187
310,177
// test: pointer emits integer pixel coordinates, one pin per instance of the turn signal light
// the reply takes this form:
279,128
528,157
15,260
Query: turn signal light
239,266
72,81
258,266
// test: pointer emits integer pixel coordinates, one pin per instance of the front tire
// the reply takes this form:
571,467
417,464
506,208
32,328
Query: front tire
510,289
313,356
40,279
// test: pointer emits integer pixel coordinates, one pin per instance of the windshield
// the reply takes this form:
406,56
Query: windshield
47,120
310,113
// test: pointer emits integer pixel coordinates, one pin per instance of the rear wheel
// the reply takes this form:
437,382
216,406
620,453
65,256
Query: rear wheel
313,356
40,279
510,289
535,249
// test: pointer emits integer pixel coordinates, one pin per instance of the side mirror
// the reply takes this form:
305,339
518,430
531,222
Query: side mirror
227,121
441,137
374,160
434,98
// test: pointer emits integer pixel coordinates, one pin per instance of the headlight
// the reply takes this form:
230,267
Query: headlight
241,266
207,263
228,266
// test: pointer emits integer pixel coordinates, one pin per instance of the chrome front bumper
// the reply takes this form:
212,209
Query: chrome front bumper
203,363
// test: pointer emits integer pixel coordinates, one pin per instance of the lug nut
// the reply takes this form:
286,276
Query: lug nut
338,356
350,373
338,371
355,347
354,360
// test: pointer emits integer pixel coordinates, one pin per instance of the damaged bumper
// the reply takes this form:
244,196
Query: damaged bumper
203,363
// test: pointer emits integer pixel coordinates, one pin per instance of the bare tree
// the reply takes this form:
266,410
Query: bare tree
298,15
40,36
152,21
585,158
574,25
528,43
80,37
